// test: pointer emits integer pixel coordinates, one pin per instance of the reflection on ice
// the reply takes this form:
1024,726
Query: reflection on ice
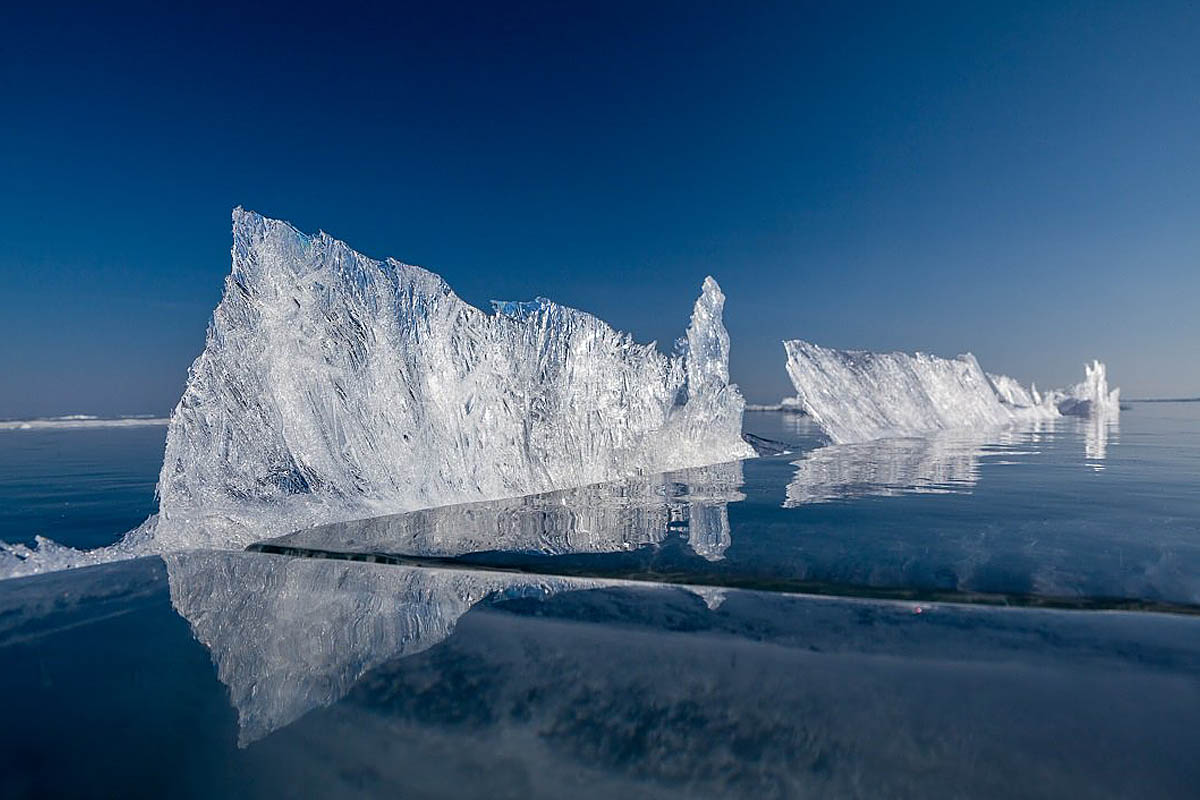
942,464
600,689
1096,431
603,518
289,635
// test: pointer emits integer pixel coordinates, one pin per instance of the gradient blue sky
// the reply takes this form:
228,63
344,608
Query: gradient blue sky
1017,180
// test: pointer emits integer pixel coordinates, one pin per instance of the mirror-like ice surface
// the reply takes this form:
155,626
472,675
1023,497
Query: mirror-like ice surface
359,680
289,635
857,396
335,386
1053,512
604,518
937,464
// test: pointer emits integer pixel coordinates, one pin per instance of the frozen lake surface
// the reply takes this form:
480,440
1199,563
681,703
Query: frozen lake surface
1011,614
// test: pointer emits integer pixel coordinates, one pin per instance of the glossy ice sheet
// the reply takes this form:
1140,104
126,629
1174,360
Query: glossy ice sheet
346,678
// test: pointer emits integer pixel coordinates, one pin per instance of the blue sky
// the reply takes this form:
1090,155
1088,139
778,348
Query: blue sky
1017,180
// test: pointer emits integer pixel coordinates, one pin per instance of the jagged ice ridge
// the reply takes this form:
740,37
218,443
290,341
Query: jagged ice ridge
858,396
334,386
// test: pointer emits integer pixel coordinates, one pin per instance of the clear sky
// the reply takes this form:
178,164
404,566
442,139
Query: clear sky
1017,180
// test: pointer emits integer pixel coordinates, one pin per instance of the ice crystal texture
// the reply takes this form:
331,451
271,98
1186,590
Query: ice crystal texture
1091,397
859,396
334,386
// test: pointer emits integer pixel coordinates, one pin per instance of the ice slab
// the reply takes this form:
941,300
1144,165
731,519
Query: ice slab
1090,397
334,386
859,396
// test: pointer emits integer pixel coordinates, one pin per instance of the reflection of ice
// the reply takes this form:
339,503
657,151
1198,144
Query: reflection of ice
290,635
607,517
947,463
1096,431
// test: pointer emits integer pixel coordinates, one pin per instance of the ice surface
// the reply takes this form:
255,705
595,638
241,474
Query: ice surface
859,396
335,386
610,517
943,463
290,635
1012,392
791,404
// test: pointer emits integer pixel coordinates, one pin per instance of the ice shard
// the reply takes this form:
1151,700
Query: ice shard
859,396
335,386
1090,397
1012,392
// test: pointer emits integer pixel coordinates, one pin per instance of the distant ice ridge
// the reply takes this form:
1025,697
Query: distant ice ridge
859,396
1091,397
791,404
334,386
78,421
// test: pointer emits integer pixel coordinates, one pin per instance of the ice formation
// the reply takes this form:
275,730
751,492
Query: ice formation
80,421
789,404
1010,391
335,386
1090,397
859,396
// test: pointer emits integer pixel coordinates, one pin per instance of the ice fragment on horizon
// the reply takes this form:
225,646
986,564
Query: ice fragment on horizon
859,396
1090,397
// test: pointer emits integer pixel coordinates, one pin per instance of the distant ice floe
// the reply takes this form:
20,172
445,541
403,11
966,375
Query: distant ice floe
860,396
1091,397
80,421
334,386
788,404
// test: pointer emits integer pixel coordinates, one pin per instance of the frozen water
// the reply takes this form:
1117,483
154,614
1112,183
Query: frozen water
1012,392
859,396
611,517
943,463
290,635
1090,397
334,386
